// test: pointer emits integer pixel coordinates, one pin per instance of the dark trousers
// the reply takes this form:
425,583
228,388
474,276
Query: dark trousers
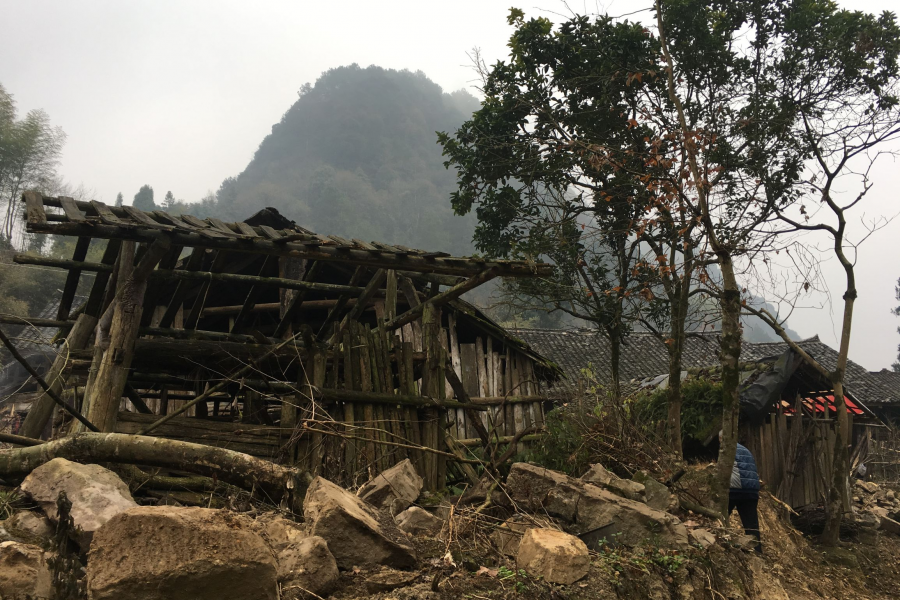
746,508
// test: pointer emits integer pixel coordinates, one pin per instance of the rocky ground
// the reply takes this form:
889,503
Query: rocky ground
539,534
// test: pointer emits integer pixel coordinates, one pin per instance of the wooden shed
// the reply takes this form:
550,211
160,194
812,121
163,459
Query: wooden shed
336,355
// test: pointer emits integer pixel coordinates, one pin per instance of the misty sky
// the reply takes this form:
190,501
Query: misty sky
179,95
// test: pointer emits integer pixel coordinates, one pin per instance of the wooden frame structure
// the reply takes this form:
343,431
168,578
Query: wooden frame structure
337,355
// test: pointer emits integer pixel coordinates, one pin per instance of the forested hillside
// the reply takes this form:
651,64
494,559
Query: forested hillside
357,156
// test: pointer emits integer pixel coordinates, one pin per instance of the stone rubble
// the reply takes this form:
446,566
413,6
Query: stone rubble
393,490
97,494
554,555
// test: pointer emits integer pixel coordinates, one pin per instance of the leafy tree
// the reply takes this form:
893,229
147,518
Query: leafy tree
120,200
143,200
169,201
29,153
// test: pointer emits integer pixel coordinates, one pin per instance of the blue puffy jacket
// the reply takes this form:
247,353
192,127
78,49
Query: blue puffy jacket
744,476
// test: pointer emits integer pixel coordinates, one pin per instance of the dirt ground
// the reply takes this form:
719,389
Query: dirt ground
792,567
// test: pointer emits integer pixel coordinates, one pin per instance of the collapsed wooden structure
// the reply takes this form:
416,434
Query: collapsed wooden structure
338,356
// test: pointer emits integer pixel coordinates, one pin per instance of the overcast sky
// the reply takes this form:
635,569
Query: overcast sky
179,95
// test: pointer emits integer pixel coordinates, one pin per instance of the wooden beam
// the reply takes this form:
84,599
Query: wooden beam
181,275
367,294
249,302
106,390
94,305
442,298
390,295
339,307
290,313
68,295
148,232
41,382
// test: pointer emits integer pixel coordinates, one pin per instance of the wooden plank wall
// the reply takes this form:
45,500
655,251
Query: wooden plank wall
794,457
503,380
350,442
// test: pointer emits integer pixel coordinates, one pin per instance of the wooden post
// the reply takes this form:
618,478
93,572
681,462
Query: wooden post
115,359
42,408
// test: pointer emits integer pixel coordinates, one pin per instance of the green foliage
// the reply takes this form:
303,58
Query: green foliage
700,411
519,579
562,448
617,559
29,153
10,503
143,200
356,156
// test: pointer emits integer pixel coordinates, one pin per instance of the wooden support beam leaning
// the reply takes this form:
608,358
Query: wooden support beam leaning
68,295
293,307
442,298
262,245
249,302
62,403
339,306
105,393
293,284
367,294
42,408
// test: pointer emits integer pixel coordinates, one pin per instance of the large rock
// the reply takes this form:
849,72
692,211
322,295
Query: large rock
586,507
277,531
96,494
656,495
23,572
418,521
307,566
886,523
356,533
169,553
30,527
394,489
556,556
599,476
509,533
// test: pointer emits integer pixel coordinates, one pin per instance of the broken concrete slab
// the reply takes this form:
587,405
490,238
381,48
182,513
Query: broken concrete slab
393,490
306,567
554,555
96,494
418,521
886,523
171,553
23,572
586,507
356,533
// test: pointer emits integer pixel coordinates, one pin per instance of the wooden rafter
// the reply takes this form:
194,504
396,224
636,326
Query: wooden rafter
68,295
136,225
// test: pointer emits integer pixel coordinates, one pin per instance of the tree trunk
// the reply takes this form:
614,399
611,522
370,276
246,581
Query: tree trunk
839,492
42,409
277,482
673,421
730,357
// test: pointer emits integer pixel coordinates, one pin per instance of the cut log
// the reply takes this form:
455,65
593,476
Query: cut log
278,483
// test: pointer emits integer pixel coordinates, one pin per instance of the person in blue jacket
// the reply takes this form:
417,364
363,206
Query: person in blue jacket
744,492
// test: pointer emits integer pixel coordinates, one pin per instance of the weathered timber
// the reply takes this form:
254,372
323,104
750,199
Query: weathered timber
277,482
95,302
252,365
194,262
42,409
115,359
150,230
338,308
37,377
443,298
68,295
292,284
367,294
19,440
289,312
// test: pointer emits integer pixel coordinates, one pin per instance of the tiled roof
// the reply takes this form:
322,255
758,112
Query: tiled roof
643,355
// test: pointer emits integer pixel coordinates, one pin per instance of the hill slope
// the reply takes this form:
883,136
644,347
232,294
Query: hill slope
357,156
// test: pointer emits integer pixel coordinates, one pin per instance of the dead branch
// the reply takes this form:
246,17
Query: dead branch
279,484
